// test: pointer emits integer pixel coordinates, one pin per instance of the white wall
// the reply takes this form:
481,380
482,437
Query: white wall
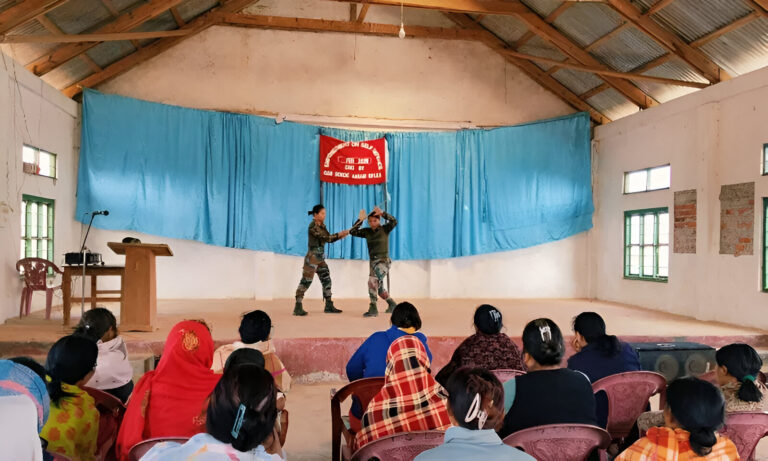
34,113
711,138
346,75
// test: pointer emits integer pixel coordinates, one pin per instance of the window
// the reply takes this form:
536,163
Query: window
646,244
765,158
647,180
39,162
36,227
765,244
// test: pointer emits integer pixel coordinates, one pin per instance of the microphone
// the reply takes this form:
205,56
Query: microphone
103,212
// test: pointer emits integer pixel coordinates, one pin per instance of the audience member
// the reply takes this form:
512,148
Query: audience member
240,421
488,348
256,333
73,425
170,400
599,355
476,410
113,373
695,410
738,367
410,399
548,393
24,408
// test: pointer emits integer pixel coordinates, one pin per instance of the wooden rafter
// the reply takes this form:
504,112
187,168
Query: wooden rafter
195,26
672,42
596,90
25,11
123,23
663,59
457,6
352,12
55,30
530,69
616,31
63,38
658,6
177,17
363,11
759,4
549,19
327,25
570,48
725,29
110,7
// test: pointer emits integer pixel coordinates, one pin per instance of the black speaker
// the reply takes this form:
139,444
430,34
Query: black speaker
676,360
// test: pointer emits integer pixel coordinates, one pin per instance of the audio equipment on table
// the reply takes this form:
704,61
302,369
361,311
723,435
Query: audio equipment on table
676,359
84,257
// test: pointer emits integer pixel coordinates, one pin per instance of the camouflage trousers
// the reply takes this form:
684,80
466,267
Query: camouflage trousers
376,276
314,263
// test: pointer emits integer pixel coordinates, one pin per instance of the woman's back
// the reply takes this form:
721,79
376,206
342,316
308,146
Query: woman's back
666,444
597,365
550,397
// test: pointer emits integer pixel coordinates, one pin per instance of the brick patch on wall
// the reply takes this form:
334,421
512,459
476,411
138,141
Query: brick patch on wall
737,219
685,221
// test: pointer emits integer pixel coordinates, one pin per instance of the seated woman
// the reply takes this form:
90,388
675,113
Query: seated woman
488,348
738,366
239,423
370,359
24,406
476,410
548,393
256,333
73,424
695,410
410,399
170,400
599,355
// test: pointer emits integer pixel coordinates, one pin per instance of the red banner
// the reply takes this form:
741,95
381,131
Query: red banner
352,162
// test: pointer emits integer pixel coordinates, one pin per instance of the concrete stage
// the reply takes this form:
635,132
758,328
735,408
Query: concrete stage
316,347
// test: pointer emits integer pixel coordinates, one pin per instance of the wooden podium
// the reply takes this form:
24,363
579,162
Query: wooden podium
138,311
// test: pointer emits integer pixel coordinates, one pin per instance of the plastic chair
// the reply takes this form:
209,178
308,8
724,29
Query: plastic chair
111,411
36,279
365,389
746,429
59,456
557,442
140,449
628,394
505,375
399,447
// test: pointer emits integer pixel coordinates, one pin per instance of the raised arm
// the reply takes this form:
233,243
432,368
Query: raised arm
391,222
355,230
322,235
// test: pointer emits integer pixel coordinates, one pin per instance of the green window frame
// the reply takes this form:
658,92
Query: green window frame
37,227
646,244
765,244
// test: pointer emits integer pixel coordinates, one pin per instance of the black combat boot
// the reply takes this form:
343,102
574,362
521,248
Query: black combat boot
330,308
298,310
372,311
390,305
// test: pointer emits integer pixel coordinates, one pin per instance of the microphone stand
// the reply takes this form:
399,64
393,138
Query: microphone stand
83,250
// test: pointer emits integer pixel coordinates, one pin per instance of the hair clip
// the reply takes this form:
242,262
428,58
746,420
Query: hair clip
546,333
238,421
749,378
476,412
263,403
496,315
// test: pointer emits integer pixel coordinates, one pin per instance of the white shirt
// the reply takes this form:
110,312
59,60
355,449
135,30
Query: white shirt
112,366
19,440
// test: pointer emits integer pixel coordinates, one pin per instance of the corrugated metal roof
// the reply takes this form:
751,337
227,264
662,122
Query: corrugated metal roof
76,16
693,19
194,8
507,28
28,52
543,7
68,73
537,46
675,69
741,50
586,22
612,104
5,4
628,50
106,53
576,81
125,5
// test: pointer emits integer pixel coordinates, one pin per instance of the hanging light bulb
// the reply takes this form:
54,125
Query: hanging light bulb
401,34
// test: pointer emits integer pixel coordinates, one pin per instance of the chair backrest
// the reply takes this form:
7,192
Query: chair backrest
745,430
141,448
556,442
505,375
399,447
111,412
35,272
628,395
364,389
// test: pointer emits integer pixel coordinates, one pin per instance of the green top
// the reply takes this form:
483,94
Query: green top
378,240
319,236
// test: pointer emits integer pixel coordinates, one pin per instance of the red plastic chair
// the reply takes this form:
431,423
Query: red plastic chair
558,442
745,430
505,375
36,279
111,411
365,389
140,449
628,394
399,447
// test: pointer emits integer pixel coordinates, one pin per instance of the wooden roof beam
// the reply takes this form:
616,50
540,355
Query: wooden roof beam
64,38
25,11
177,17
123,23
616,31
594,91
195,26
658,6
549,19
672,42
363,11
725,29
530,69
458,6
570,48
759,4
55,30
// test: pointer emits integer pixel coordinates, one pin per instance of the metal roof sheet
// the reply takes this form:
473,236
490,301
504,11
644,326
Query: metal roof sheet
586,22
537,46
106,53
628,50
68,73
693,19
612,104
741,50
77,16
507,28
674,69
577,81
194,8
543,7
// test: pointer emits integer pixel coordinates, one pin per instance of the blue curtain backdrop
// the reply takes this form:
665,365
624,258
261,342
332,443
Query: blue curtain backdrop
247,182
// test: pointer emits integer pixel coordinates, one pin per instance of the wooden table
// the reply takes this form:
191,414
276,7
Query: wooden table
94,272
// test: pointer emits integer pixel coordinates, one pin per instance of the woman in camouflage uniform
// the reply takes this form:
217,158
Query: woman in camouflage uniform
314,262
